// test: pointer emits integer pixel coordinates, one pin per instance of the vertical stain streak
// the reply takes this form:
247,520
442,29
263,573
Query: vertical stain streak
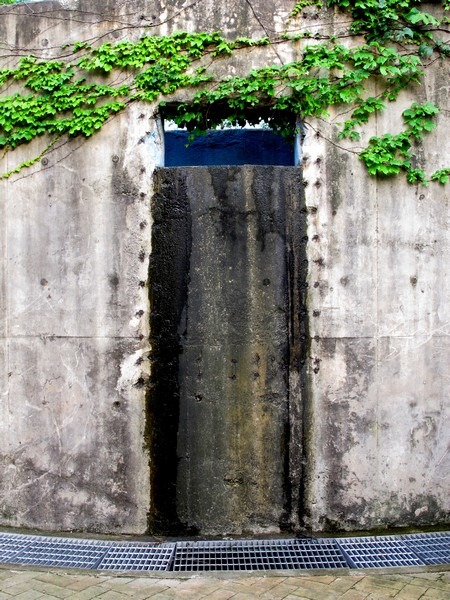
299,348
169,271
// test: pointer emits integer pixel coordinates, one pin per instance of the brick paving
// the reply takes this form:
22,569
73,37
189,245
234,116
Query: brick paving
32,584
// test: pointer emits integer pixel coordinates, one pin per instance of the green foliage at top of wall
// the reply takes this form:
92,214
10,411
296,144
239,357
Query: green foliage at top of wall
392,43
395,20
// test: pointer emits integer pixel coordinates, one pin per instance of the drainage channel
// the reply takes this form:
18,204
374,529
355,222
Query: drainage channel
410,550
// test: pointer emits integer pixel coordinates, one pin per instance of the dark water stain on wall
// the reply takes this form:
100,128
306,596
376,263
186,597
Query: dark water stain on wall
218,421
169,271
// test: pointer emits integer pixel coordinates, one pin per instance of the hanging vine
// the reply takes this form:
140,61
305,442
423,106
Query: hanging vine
76,97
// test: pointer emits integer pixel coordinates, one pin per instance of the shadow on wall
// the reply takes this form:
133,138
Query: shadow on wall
228,147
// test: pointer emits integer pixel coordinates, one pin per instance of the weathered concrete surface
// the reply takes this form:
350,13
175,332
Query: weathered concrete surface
227,343
75,244
66,21
75,239
378,400
368,340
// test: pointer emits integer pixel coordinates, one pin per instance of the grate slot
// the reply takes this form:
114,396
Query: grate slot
138,557
13,544
432,548
258,555
62,553
370,552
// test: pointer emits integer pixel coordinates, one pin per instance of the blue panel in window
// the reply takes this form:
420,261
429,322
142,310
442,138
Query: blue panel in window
228,147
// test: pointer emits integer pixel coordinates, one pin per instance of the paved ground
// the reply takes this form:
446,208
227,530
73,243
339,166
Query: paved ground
31,584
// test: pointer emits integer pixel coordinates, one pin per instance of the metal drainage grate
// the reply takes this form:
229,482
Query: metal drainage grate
11,544
8,539
83,554
138,557
432,548
249,555
369,552
239,555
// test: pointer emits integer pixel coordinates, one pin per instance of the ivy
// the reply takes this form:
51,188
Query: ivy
382,20
391,154
78,96
442,175
305,90
301,4
63,102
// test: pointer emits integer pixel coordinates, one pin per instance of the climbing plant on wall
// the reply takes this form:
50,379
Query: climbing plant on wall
391,41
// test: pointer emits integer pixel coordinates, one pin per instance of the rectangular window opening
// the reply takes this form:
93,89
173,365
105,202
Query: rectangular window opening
229,145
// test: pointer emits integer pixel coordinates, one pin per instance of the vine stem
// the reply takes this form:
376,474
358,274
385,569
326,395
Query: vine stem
329,140
31,162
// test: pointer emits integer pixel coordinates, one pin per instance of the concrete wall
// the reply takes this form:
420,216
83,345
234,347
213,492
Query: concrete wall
368,376
73,288
378,452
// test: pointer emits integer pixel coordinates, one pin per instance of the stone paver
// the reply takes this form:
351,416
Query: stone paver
411,592
37,584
